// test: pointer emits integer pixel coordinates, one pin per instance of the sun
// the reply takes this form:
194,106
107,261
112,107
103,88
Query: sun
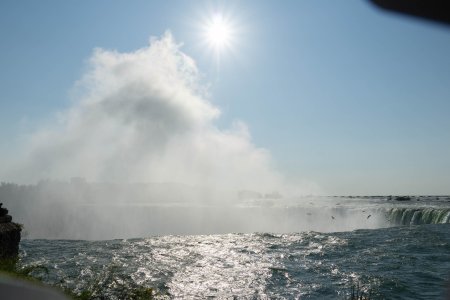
218,33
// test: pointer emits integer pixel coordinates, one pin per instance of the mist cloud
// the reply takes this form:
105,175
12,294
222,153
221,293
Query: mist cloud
143,116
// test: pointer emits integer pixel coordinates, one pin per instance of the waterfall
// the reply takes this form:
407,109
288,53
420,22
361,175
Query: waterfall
417,216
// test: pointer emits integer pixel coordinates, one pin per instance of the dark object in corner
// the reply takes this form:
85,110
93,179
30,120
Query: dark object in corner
9,235
14,288
435,10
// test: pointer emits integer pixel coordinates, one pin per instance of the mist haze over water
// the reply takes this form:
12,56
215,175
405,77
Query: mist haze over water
140,141
145,116
143,126
81,210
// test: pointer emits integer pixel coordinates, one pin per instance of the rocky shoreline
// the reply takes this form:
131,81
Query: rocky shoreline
9,235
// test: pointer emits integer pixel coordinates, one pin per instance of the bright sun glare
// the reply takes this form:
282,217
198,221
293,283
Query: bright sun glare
219,33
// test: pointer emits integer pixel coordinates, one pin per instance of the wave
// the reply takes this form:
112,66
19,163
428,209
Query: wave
418,216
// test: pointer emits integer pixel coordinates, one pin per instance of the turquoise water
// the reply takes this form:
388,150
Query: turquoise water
406,262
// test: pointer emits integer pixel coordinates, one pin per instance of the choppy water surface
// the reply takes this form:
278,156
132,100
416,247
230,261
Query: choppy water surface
409,262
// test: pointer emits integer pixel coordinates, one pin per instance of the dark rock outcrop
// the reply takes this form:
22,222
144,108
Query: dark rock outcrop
9,235
402,198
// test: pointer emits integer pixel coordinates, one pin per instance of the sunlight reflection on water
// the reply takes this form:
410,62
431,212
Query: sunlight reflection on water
390,262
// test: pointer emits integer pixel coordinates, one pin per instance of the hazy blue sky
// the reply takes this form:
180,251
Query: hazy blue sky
341,94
